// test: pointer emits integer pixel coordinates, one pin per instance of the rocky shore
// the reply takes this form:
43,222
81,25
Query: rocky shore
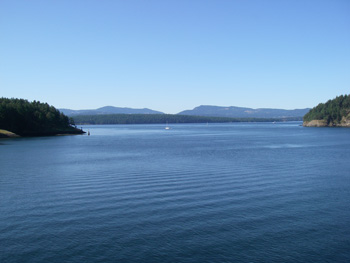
323,123
7,134
73,131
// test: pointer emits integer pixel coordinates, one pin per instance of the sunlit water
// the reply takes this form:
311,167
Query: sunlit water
195,193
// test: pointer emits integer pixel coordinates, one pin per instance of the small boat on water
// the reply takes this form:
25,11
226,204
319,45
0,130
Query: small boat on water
167,126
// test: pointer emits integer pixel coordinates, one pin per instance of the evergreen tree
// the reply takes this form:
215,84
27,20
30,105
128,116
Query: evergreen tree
333,111
32,118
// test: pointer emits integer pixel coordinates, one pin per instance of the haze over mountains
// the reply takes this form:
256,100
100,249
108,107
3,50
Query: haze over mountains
203,110
240,112
109,110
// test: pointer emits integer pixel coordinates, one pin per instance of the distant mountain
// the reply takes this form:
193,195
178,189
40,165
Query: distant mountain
108,110
210,111
164,118
239,112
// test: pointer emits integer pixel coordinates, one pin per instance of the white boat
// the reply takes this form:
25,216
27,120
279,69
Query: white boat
167,126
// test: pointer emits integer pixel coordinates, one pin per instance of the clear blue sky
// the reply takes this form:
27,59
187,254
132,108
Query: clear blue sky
172,55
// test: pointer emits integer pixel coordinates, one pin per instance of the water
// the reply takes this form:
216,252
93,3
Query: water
196,193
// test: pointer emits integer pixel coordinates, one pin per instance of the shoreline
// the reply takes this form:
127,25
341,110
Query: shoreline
8,134
323,123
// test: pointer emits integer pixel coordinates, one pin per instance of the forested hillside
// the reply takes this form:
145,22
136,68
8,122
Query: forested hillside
240,112
162,118
334,112
33,118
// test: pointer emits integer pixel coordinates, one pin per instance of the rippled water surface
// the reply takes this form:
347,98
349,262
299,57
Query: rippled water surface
195,193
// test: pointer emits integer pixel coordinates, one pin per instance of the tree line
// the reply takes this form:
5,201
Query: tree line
332,111
164,118
33,118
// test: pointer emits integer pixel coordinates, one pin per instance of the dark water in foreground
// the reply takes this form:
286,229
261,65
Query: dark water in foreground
195,193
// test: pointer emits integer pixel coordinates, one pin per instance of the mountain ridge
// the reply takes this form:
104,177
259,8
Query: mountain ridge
109,110
202,110
243,112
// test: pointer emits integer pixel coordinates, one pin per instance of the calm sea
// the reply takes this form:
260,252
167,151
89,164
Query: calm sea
239,192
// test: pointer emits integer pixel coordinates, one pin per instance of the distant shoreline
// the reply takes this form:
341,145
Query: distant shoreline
166,118
171,123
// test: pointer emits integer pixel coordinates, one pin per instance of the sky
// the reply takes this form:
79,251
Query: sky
174,55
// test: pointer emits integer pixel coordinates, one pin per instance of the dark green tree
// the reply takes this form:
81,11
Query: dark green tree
33,118
333,111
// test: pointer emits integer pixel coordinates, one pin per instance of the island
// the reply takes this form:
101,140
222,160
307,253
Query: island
19,117
165,118
333,113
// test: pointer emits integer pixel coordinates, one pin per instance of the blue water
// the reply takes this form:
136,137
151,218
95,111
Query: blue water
196,193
